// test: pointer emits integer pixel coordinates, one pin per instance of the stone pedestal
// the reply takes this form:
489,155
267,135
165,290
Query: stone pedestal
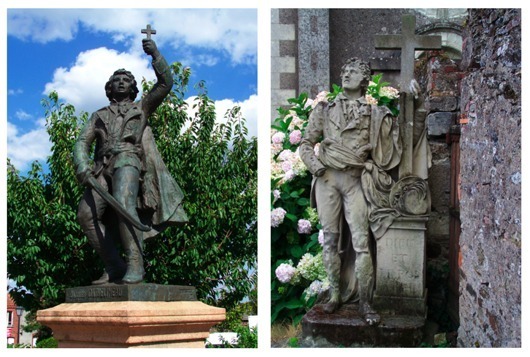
346,328
400,273
129,323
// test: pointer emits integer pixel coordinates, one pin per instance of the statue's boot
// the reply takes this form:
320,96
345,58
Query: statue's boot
115,267
364,272
135,262
331,259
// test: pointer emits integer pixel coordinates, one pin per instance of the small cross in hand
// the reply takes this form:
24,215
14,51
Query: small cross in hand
148,31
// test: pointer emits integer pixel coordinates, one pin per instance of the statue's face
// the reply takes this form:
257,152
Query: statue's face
351,77
121,84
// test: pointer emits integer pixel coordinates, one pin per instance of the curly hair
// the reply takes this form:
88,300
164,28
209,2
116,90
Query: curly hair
363,66
134,86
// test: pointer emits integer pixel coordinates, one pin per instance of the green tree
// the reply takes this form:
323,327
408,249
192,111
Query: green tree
214,163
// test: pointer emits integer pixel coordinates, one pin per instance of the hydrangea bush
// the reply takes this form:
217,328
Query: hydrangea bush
297,270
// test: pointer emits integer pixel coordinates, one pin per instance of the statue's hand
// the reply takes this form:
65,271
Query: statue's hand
83,176
149,47
414,88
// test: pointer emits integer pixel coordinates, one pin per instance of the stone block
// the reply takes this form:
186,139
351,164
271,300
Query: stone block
346,328
275,48
401,266
283,64
282,32
439,123
442,104
131,323
275,16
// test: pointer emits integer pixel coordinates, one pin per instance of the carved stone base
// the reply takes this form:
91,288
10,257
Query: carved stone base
400,274
131,323
347,328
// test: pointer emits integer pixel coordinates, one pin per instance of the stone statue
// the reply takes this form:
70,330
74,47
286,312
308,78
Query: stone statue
359,144
130,194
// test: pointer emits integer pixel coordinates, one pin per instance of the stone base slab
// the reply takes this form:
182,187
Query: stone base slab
347,328
401,304
131,323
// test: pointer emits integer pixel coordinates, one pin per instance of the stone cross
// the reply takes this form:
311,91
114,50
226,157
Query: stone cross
408,42
148,31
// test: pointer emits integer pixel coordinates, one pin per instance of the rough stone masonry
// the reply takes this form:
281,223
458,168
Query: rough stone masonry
490,281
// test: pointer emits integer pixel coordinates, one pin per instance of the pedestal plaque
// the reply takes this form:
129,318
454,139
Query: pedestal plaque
400,274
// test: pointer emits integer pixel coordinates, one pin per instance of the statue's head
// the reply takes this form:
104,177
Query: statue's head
121,81
355,73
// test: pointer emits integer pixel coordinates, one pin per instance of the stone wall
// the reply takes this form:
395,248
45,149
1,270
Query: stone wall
440,79
284,58
490,206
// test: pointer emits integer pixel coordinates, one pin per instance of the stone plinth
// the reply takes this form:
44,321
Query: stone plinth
131,323
346,328
400,273
136,292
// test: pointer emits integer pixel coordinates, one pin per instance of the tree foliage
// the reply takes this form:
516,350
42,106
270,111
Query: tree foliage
214,163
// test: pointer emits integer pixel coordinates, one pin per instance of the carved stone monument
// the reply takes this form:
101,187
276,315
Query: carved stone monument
375,297
130,197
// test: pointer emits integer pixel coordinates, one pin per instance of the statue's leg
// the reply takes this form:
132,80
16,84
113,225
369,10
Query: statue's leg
125,184
329,212
89,215
356,213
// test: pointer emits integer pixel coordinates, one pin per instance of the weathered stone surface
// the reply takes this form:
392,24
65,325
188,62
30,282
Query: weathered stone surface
347,328
400,271
490,285
439,123
137,292
442,104
313,53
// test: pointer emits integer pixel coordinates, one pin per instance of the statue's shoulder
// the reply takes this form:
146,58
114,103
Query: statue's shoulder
101,111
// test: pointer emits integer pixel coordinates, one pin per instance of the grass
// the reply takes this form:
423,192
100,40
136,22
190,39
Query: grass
285,334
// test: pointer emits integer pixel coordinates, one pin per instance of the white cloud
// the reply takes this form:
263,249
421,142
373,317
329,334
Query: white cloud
83,85
15,91
231,31
249,111
24,148
22,115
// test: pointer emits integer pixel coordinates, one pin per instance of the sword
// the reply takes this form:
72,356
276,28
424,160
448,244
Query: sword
92,182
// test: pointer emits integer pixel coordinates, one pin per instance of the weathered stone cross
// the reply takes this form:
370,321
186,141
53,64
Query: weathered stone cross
148,31
408,42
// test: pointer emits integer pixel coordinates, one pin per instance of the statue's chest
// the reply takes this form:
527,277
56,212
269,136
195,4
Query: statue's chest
349,125
118,126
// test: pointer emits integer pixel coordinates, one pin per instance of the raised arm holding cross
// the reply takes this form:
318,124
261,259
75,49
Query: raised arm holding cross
408,42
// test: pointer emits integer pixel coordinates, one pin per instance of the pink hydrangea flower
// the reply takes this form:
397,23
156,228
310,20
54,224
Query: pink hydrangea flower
295,137
277,216
278,137
304,226
285,272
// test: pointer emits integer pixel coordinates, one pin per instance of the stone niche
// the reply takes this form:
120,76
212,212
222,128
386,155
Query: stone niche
400,273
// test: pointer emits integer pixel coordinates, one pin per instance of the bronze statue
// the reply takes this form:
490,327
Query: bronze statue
130,194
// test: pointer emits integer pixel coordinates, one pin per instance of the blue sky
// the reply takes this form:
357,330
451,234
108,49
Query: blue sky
74,51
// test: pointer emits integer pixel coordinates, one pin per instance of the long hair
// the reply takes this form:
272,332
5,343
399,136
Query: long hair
134,86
